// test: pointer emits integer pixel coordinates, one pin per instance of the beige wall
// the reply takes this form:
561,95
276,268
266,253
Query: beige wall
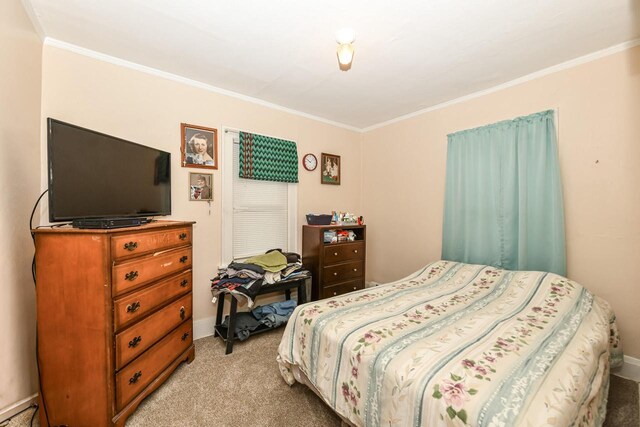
148,109
599,143
20,76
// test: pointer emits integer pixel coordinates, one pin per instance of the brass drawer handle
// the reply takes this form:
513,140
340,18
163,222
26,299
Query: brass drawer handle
184,283
131,246
183,312
185,336
182,236
131,276
131,308
335,274
134,379
335,253
355,269
355,251
134,342
184,258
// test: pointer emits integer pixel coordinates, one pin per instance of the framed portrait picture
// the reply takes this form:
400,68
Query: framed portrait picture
200,186
330,164
199,146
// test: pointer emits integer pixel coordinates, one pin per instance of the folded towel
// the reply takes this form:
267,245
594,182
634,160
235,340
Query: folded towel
272,261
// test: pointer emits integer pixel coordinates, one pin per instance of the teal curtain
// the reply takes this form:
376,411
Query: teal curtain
503,198
267,158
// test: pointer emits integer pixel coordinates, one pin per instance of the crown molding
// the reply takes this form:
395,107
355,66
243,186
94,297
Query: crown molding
33,17
186,81
544,72
194,83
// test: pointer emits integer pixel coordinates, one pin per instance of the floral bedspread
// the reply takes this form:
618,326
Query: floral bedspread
458,344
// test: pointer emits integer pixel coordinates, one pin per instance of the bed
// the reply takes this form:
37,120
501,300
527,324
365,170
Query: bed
457,344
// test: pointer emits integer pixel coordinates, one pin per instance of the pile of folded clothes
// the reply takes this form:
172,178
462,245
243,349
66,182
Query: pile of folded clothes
247,278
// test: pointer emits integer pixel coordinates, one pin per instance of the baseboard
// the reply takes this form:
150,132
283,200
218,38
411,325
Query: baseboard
631,360
16,408
203,327
630,369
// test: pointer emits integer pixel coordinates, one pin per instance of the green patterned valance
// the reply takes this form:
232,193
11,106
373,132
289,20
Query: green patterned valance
268,159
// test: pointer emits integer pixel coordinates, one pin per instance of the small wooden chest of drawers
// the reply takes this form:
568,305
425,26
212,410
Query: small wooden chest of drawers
114,318
336,268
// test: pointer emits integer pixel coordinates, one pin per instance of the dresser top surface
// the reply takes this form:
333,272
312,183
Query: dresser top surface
335,226
155,225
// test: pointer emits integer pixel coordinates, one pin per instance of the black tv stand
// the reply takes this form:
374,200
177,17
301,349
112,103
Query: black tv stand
108,223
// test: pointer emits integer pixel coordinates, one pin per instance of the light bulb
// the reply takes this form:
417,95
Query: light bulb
345,35
345,53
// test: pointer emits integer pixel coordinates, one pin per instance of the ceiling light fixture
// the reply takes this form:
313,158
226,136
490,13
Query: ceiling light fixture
345,39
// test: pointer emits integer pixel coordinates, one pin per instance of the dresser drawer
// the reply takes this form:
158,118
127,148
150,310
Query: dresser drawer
134,306
342,288
341,272
136,339
132,274
138,374
343,252
127,245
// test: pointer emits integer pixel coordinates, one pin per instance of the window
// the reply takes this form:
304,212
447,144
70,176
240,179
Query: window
256,215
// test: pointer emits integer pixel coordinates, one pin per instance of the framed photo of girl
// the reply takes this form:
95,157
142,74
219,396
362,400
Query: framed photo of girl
199,146
200,186
330,164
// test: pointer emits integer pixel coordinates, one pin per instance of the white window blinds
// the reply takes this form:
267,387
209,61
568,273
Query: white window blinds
260,214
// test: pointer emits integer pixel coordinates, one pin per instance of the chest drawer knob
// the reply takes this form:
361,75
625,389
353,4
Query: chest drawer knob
134,342
131,276
355,269
184,283
335,274
335,253
335,293
183,312
185,336
355,251
182,236
355,288
131,246
133,307
134,379
184,258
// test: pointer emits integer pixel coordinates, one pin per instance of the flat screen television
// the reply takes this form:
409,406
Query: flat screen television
97,176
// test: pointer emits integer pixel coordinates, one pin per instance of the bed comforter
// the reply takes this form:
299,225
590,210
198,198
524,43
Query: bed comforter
458,344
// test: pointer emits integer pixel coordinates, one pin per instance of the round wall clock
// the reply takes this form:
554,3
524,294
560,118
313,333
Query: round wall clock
310,162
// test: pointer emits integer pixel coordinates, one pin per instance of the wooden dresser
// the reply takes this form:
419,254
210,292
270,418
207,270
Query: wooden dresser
114,318
336,268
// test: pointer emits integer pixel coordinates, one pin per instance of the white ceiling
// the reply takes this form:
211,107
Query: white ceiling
409,55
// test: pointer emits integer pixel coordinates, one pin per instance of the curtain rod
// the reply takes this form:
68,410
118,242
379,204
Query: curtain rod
237,132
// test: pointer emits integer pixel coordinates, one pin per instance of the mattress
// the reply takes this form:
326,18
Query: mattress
457,344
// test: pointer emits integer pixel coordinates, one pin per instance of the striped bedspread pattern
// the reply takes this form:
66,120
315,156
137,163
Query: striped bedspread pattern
457,344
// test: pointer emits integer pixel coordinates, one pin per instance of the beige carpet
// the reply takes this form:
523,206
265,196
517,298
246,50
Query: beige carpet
623,405
242,389
245,389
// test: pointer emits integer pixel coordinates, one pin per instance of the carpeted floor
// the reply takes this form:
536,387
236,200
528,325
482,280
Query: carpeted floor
242,389
622,407
245,389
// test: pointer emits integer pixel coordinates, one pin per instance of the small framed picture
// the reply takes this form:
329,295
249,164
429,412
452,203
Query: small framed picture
330,164
200,186
199,146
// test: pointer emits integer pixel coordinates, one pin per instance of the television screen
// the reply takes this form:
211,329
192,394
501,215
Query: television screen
93,175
